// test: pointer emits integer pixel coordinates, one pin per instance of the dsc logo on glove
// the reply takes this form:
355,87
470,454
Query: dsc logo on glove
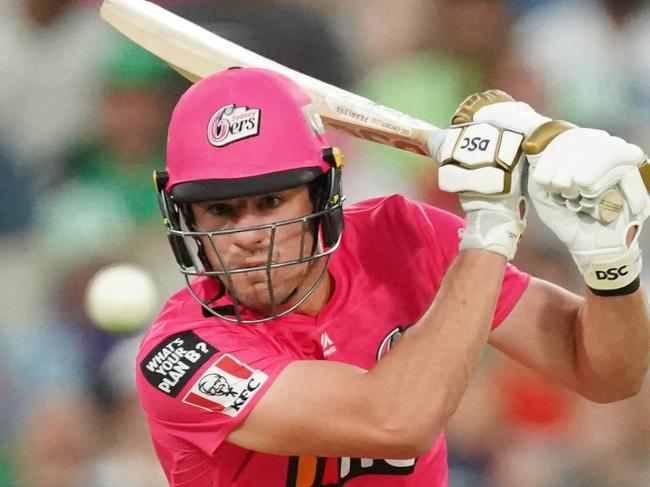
475,143
612,273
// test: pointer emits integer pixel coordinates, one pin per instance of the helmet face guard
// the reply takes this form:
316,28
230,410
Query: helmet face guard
239,133
324,226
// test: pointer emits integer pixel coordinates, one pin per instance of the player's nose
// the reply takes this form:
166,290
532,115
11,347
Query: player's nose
253,235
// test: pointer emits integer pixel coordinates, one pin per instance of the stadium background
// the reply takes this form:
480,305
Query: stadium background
82,121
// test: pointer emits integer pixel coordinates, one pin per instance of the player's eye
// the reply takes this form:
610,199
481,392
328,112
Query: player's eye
221,210
269,201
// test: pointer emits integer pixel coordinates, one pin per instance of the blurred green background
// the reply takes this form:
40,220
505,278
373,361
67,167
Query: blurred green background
83,115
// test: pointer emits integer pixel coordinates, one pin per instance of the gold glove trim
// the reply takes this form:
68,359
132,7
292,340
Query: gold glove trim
543,135
473,103
644,169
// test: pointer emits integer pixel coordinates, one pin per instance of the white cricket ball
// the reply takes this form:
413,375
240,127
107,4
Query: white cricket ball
121,298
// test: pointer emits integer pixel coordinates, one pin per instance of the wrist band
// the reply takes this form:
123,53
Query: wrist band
612,277
629,289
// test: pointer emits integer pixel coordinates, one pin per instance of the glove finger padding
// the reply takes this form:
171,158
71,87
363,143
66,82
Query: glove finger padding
615,159
593,220
480,158
589,167
483,163
609,265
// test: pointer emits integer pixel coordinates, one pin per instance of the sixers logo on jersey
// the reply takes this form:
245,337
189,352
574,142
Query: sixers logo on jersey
232,123
310,471
389,341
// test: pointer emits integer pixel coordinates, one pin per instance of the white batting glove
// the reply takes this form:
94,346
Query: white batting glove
483,163
588,188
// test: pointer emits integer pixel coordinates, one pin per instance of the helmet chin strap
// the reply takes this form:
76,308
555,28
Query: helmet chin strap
241,321
232,312
295,290
292,293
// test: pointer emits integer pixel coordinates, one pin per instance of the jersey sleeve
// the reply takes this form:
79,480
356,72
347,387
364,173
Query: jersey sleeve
446,229
197,385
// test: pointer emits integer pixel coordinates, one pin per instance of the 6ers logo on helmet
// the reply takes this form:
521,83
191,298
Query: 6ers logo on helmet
232,123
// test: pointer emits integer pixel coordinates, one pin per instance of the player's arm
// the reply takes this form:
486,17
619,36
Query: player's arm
597,345
398,408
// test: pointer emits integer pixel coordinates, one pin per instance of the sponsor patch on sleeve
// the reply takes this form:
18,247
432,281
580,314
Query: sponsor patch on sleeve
170,365
226,386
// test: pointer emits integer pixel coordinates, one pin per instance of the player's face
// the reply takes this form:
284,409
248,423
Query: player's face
251,248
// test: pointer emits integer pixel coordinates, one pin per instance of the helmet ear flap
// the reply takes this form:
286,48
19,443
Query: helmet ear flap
180,250
332,220
171,220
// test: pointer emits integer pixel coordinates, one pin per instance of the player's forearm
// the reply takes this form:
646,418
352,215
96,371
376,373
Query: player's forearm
431,367
612,345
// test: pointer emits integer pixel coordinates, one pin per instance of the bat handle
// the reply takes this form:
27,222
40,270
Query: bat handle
432,140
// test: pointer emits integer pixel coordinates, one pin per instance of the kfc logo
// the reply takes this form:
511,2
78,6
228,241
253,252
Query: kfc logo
215,385
225,387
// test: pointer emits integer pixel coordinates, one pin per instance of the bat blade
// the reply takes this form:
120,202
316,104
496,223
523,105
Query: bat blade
196,53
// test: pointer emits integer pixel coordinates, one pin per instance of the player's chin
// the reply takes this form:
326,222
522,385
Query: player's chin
254,289
258,298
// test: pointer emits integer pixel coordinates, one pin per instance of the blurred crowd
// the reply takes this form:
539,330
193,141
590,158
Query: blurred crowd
83,114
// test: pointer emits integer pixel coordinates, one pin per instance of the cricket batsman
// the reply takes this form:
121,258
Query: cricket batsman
320,346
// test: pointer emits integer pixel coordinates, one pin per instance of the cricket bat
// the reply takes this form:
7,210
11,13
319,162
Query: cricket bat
197,53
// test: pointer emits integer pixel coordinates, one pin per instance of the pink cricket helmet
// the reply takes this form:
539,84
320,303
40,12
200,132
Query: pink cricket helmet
240,132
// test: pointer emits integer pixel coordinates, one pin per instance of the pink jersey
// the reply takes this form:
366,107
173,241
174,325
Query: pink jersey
198,377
